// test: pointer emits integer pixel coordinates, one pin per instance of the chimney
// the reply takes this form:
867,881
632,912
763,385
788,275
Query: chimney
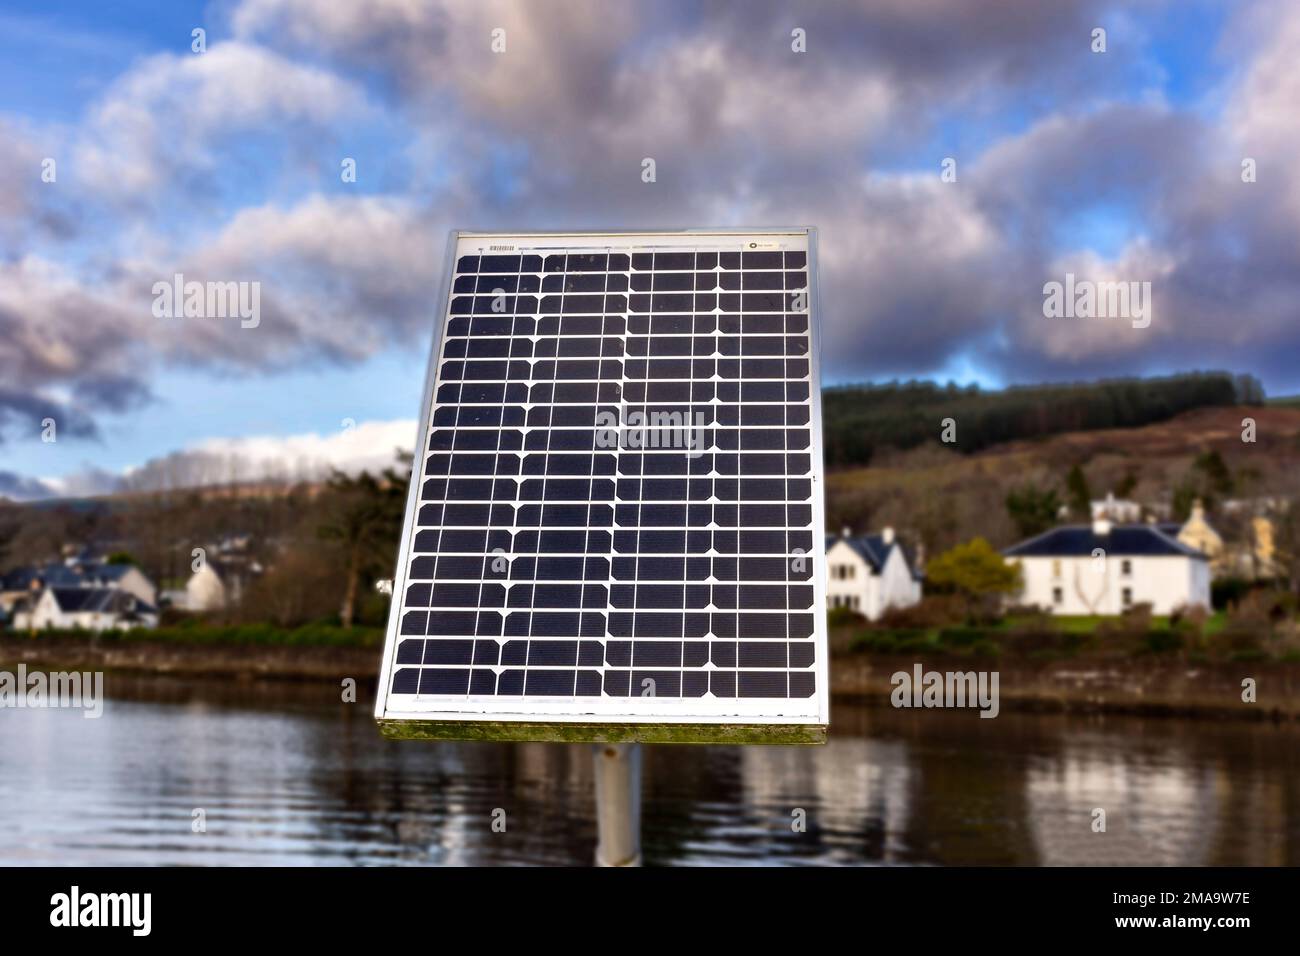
1101,525
846,532
1198,510
887,535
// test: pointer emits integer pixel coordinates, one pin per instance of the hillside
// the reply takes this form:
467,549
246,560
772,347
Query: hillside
943,496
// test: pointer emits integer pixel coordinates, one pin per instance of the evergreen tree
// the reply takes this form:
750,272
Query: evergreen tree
1033,509
1078,494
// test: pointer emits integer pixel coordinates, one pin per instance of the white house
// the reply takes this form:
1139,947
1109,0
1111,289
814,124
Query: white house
213,586
204,591
1119,510
1105,568
1253,556
869,573
87,608
125,576
79,593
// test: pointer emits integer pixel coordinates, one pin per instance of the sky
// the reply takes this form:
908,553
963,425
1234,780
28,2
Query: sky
130,152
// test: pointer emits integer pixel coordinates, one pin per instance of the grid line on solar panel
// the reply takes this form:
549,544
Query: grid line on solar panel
493,342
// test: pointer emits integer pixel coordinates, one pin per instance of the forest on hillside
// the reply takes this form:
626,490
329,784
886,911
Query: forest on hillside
860,420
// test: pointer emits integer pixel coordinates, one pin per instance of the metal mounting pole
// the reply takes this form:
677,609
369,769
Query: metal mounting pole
618,803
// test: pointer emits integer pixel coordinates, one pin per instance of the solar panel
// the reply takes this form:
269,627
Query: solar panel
614,523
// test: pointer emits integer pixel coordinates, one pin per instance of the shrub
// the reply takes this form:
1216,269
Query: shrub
1236,640
933,610
1226,592
1261,609
872,642
314,635
1026,610
1039,638
1122,634
1162,641
964,638
843,617
891,641
1189,620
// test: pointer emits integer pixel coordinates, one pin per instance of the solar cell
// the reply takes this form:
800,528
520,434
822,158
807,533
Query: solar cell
617,497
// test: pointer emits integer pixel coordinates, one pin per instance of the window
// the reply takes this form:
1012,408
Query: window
1056,568
857,602
1126,567
1058,596
1127,596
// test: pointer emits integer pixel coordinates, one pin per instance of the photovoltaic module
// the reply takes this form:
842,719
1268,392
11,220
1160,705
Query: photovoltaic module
616,513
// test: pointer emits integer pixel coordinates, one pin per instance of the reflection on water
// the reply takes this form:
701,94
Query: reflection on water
285,775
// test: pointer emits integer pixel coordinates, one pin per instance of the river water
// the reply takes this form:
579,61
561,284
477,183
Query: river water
286,774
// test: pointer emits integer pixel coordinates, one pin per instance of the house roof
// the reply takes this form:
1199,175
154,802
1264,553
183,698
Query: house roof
19,579
51,575
1128,540
56,575
872,549
71,600
99,600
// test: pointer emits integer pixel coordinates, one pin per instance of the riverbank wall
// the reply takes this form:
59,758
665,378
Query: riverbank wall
1150,686
200,660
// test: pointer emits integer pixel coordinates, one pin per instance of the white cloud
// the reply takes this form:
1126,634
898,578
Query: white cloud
1089,339
20,172
68,349
371,446
172,114
1261,114
342,278
365,446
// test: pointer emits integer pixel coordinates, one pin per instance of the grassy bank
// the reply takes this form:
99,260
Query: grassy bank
1112,640
233,654
263,635
239,652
